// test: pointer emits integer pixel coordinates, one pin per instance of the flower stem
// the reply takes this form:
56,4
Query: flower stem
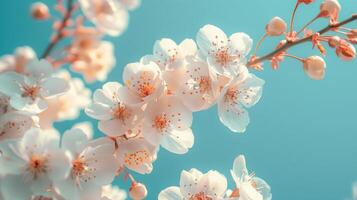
59,35
293,16
302,40
259,43
308,24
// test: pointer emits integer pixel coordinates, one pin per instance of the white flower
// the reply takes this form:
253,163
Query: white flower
95,63
84,39
28,92
196,186
13,125
248,187
110,106
167,123
199,87
107,15
136,153
111,192
37,160
130,4
18,61
243,91
93,165
68,105
144,81
223,54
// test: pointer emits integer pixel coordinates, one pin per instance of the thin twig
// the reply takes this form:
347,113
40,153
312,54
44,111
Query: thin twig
302,40
60,35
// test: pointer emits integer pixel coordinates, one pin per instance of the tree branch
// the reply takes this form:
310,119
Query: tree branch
299,41
59,35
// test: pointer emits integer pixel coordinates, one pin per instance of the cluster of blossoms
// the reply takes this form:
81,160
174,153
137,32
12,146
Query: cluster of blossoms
151,109
194,185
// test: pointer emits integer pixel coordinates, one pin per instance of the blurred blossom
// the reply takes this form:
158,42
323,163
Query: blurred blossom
18,61
68,105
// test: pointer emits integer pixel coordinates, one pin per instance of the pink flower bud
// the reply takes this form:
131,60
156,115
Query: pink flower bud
352,36
345,51
275,27
39,11
306,1
314,67
138,191
330,8
334,41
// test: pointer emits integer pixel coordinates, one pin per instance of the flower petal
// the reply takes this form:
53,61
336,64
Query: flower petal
53,86
170,193
178,141
234,117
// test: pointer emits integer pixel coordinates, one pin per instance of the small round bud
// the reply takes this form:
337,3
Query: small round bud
306,1
138,191
275,27
345,51
330,8
352,36
314,67
334,41
40,11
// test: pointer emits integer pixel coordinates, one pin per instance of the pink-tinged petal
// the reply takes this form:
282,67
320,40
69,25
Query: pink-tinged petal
130,4
101,97
102,162
39,141
151,134
188,47
111,89
264,188
168,54
247,191
239,170
210,39
250,90
39,69
59,165
234,117
113,127
189,181
10,185
14,124
178,141
10,83
240,44
26,104
213,184
52,87
99,111
170,193
74,141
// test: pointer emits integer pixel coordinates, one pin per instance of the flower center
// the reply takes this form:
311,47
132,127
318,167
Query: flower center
31,91
37,165
231,95
146,89
78,167
204,84
136,158
121,112
200,196
223,57
160,122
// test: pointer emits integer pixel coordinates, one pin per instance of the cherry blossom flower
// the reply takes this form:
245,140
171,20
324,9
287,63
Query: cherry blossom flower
144,81
28,92
85,39
111,192
130,4
242,92
136,153
36,160
68,105
199,87
224,55
195,185
167,123
248,187
92,166
95,63
18,61
110,106
108,15
13,125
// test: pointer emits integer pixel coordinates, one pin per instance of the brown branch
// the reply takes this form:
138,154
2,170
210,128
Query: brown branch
59,35
299,41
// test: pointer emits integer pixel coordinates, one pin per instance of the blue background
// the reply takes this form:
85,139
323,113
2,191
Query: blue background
302,137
